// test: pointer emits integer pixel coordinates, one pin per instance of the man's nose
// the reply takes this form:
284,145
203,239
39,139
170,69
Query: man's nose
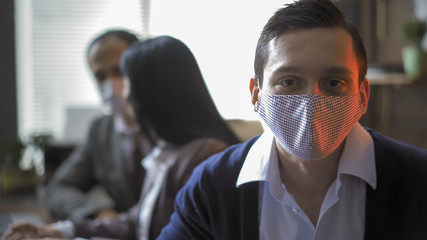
313,89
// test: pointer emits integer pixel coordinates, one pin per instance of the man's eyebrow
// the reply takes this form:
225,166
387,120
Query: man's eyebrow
338,70
330,70
284,69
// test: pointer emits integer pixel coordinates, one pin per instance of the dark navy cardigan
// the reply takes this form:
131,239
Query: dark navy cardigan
211,207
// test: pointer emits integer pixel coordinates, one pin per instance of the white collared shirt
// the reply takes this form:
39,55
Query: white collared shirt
342,214
156,172
128,144
127,139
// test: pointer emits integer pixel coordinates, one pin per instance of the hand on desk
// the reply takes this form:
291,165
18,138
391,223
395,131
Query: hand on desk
25,230
106,214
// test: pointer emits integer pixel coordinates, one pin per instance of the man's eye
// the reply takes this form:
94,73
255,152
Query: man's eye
335,83
288,82
100,78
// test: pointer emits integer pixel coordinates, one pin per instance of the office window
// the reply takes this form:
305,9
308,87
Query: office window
222,35
53,75
52,36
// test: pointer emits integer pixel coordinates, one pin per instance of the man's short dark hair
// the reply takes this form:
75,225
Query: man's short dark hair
307,14
121,34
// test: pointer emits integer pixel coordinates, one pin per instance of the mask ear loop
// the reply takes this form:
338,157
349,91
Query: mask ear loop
257,102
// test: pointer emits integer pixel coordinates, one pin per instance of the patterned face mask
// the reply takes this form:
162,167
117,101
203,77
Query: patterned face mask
112,103
310,127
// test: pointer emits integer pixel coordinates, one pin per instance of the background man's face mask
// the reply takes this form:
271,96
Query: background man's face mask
310,127
112,103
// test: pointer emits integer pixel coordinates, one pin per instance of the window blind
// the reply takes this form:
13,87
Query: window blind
52,70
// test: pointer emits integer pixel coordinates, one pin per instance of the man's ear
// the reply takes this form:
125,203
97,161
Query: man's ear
364,94
254,88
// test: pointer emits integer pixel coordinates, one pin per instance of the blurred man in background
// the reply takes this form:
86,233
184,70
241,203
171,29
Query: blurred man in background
113,149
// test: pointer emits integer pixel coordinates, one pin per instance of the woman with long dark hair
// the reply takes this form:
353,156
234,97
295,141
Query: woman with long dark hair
169,93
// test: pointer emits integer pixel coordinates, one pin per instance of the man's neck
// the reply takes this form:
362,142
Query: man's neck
308,182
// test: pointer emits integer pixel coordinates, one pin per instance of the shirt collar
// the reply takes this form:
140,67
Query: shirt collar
122,128
153,159
357,158
255,166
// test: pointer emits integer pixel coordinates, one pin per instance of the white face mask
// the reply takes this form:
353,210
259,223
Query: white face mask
112,103
310,127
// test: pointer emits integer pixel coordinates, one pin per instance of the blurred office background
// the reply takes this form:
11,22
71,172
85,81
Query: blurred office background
49,97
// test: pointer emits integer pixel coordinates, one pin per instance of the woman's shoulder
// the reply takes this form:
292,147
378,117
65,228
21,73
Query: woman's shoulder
196,151
208,145
229,160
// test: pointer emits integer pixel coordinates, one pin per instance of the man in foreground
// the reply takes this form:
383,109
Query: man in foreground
315,173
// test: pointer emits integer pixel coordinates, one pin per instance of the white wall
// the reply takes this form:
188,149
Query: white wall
222,35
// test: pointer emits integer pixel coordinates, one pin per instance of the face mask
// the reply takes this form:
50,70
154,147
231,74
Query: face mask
310,127
112,103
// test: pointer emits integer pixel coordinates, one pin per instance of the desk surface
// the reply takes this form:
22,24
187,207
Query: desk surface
25,206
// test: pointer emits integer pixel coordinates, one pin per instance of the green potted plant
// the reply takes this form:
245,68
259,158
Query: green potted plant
413,55
24,162
12,177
